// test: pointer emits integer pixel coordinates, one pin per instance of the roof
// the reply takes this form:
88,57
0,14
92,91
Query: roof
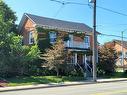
113,42
120,42
59,24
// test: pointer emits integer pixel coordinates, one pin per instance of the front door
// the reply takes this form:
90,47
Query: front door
80,58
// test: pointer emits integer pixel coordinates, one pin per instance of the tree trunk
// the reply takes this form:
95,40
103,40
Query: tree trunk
57,71
22,70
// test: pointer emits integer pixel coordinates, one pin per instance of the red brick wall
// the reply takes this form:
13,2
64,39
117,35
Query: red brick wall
117,47
78,39
27,27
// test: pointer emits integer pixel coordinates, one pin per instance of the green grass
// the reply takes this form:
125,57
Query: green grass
34,80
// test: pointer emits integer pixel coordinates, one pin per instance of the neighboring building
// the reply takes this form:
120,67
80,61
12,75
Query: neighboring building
76,44
117,45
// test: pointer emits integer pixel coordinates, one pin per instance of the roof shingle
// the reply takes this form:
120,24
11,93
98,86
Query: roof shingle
44,21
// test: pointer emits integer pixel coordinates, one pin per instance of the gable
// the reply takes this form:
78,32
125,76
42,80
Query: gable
27,27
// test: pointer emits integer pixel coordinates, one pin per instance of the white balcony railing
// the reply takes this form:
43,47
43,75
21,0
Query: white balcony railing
76,44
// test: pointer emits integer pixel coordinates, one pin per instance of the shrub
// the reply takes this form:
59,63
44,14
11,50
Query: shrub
107,60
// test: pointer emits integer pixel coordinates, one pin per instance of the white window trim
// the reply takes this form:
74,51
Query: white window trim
88,38
88,42
52,37
30,37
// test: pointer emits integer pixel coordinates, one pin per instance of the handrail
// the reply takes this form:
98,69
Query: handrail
81,70
91,70
76,44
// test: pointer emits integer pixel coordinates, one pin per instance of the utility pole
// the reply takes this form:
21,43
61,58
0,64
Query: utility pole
94,43
94,61
122,51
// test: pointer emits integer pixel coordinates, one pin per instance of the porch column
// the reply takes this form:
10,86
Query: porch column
76,58
83,59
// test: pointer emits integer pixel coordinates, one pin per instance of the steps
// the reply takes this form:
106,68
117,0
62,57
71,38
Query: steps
86,69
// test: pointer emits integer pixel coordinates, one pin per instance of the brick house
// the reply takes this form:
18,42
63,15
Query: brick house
117,45
76,44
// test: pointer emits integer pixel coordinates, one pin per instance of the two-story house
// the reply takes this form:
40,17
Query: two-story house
121,49
76,44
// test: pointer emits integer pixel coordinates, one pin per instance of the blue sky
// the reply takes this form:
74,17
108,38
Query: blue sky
107,22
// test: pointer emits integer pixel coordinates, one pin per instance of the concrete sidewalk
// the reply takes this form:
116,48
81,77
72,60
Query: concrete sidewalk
37,86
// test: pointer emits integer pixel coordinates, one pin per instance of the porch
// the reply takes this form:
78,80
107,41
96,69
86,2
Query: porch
81,59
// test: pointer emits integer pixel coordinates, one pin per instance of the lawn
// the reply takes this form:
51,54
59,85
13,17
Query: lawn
33,80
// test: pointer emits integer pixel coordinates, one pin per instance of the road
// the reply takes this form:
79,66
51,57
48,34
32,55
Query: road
114,88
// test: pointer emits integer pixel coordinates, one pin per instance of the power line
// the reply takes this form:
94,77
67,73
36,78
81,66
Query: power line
103,25
58,1
114,35
65,3
102,34
59,10
112,11
106,9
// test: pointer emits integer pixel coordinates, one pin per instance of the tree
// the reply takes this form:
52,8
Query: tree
15,59
22,57
107,59
55,56
8,16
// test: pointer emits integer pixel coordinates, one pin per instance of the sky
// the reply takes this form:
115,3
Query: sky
107,22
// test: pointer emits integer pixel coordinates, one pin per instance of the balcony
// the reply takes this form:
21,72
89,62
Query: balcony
76,45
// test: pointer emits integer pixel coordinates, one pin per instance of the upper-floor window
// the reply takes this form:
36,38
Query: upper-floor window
31,38
52,37
86,39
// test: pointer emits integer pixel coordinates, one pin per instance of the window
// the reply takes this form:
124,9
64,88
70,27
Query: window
52,36
31,38
86,39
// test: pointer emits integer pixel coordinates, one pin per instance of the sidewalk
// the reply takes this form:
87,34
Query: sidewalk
3,89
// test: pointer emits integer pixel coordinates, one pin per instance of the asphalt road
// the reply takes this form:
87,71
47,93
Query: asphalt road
114,88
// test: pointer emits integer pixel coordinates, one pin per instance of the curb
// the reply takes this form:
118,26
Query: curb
5,89
112,80
42,86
